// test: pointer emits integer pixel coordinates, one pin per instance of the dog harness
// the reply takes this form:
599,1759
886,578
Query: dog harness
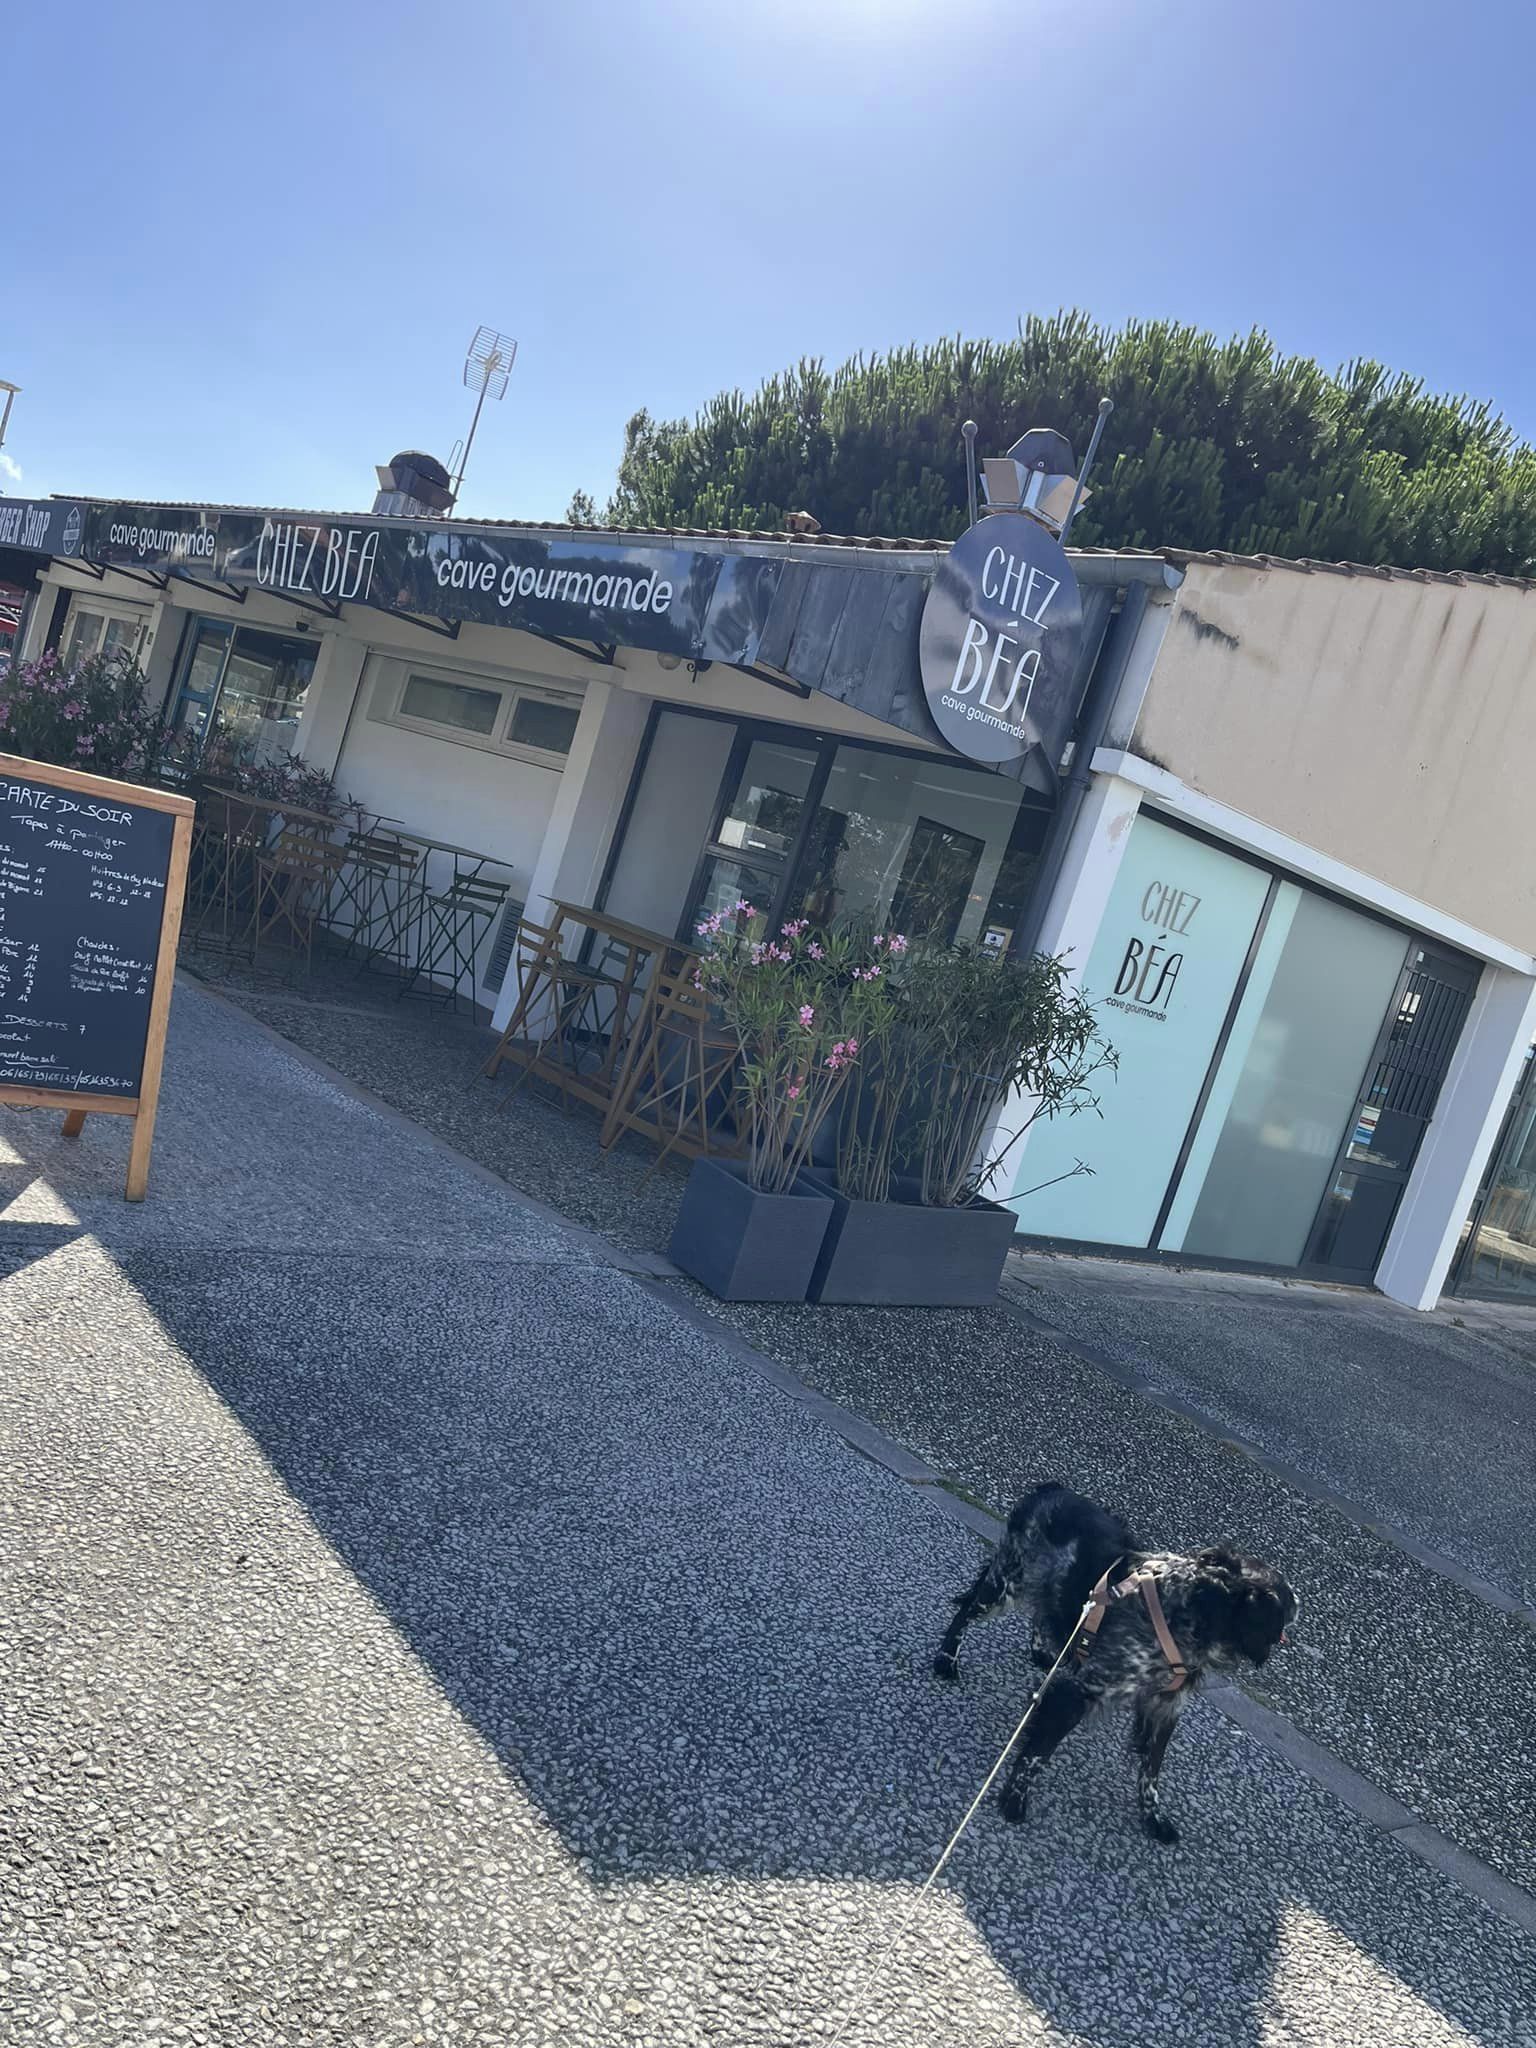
1143,1582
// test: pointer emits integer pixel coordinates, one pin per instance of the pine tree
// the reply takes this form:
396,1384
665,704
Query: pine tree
1212,444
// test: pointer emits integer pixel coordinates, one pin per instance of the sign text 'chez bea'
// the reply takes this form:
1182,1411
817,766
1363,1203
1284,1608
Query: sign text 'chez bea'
1001,642
1149,967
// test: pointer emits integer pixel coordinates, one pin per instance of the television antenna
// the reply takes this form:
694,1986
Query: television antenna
487,369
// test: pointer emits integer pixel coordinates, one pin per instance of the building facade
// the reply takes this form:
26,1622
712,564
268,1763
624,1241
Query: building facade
1287,846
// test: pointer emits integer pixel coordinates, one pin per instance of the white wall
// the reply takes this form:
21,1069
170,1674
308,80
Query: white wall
491,803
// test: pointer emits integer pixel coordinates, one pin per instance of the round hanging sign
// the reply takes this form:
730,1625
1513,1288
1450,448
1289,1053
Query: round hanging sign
1001,636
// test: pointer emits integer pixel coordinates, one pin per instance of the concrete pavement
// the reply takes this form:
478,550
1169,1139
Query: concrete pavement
417,1632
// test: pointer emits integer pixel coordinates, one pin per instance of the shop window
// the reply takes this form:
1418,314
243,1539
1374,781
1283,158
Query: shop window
516,717
1502,1257
925,847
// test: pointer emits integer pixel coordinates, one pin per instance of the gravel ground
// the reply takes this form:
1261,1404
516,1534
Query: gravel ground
1421,1418
1410,1679
443,1642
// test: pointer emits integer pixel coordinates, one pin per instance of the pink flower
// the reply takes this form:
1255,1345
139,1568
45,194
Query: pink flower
807,1016
898,942
878,941
744,908
795,928
853,1046
794,1091
814,950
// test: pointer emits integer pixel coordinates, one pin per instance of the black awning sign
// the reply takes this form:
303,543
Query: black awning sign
1000,644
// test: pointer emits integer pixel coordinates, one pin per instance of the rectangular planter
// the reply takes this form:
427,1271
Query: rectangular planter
900,1254
746,1246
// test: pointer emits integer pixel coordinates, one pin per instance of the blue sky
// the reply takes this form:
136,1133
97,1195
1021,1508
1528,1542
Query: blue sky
245,247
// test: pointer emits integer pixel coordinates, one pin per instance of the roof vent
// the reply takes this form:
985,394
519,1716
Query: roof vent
413,486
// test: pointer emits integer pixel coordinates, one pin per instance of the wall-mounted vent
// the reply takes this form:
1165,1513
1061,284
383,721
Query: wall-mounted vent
501,952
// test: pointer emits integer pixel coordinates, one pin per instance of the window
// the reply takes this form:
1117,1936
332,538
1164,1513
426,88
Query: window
543,722
93,631
453,704
523,718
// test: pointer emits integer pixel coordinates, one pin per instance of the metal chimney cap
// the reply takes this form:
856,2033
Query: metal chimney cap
1043,448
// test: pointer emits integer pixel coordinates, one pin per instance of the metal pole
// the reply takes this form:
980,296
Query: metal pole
970,431
464,458
1106,407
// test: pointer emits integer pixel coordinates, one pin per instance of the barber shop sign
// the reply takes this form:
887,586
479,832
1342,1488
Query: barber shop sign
1001,638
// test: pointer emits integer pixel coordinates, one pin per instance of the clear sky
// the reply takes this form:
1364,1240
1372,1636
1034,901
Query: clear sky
244,247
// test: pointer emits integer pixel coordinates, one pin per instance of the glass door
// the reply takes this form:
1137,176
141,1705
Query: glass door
201,674
752,851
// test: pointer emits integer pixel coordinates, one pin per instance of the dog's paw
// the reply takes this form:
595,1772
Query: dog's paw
1013,1803
1160,1828
946,1667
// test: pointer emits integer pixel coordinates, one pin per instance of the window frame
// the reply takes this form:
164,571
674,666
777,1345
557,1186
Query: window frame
513,688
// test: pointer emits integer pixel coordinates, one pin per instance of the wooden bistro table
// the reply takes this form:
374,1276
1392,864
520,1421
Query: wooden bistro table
587,991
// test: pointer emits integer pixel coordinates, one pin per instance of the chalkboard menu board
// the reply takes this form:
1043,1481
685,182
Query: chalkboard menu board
91,878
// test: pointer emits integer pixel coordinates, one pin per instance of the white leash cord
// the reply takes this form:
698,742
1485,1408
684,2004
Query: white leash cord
970,1813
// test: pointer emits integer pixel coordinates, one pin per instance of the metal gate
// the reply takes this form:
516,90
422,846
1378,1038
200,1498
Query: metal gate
1397,1099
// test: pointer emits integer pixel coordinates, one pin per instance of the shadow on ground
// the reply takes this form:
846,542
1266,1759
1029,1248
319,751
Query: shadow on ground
697,1632
688,1620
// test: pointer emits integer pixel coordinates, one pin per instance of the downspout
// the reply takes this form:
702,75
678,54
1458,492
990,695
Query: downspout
1087,736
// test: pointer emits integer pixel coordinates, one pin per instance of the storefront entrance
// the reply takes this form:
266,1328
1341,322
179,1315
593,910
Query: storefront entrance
839,831
1280,1055
241,689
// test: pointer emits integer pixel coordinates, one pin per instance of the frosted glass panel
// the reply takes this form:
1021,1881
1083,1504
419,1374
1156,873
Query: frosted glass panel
674,809
1300,1059
1164,966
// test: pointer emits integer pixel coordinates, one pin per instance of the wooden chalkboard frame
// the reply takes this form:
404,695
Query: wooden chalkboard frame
141,1107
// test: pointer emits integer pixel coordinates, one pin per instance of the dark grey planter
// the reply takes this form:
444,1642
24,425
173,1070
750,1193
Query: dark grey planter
899,1254
745,1246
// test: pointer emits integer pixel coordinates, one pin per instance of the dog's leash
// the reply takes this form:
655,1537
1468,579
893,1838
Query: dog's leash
1095,1607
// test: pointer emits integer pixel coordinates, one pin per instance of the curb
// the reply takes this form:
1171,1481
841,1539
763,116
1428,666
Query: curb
1271,1731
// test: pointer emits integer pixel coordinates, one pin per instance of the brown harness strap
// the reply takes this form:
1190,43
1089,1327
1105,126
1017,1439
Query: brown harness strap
1143,1582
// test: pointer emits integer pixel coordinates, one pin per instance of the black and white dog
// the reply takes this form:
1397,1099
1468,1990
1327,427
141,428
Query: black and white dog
1222,1610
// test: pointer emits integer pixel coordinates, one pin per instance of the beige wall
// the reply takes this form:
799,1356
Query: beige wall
1389,723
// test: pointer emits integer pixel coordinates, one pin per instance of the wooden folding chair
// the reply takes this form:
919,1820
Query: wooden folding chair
676,1083
294,879
553,1007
